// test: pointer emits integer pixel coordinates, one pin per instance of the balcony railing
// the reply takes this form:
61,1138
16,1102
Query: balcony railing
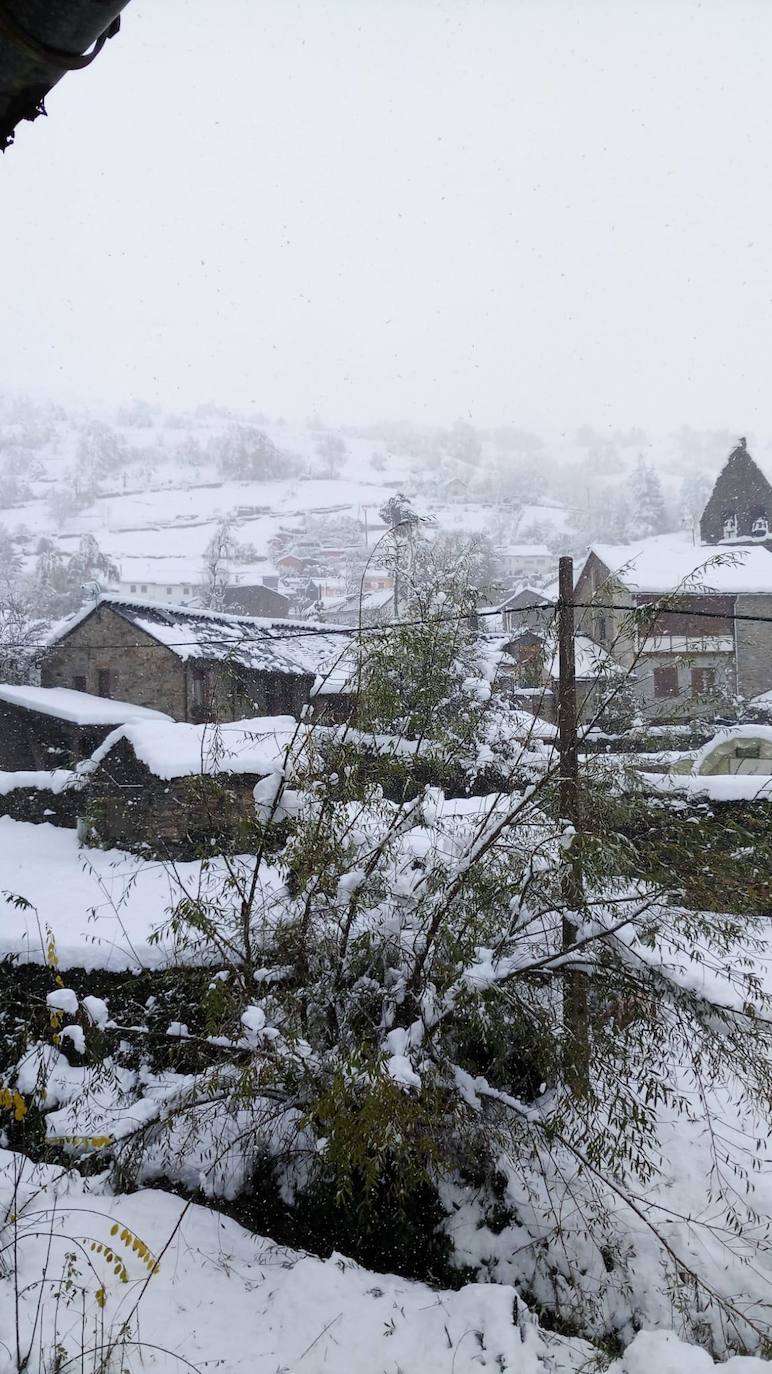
687,644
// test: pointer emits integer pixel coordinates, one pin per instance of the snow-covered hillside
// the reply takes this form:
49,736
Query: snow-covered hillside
152,489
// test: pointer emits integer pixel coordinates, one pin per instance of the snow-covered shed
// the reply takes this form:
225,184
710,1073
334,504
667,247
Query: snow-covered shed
175,787
194,665
44,728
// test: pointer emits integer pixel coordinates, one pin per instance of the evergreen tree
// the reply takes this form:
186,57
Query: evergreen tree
647,500
60,585
693,498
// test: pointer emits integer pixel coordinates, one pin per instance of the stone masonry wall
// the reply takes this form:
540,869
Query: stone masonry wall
142,670
754,646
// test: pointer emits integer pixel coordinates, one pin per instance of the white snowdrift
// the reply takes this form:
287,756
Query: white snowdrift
714,787
224,1298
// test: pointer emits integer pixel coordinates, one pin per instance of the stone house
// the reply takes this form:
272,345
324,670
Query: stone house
169,788
361,608
529,609
693,654
739,509
255,598
192,665
46,728
527,670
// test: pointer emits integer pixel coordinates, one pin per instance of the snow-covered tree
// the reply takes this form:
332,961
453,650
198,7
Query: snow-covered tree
249,453
693,498
647,501
332,452
60,584
219,556
462,442
21,634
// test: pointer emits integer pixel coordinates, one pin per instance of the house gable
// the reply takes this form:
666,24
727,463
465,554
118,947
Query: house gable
104,653
740,506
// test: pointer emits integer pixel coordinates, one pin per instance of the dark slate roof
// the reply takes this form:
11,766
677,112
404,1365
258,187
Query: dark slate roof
300,647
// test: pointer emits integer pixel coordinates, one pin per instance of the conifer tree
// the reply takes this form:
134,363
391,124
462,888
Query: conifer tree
647,500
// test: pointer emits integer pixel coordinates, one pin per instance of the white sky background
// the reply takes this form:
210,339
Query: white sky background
544,212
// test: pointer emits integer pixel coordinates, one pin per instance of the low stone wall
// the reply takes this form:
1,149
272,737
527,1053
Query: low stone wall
41,798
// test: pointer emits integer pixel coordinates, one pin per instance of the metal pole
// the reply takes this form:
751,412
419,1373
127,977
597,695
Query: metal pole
576,1044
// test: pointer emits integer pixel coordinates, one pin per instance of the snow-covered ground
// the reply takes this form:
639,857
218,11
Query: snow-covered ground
101,905
223,1298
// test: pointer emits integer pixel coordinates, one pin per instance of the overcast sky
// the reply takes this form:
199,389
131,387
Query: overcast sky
534,211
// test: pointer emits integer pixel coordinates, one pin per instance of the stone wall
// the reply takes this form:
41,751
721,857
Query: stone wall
42,805
31,740
142,671
130,808
754,646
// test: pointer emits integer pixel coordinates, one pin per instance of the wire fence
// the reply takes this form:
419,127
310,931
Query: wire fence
270,635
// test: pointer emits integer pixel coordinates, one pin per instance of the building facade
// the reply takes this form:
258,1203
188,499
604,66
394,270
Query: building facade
192,665
695,642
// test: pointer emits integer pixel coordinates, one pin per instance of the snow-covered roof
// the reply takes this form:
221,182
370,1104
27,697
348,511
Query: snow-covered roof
669,562
527,596
175,749
79,708
717,787
58,780
175,570
340,676
528,726
369,601
262,643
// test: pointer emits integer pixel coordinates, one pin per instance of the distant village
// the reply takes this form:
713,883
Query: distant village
126,687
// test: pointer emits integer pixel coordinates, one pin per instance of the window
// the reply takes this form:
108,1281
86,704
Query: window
168,591
186,591
79,682
666,682
703,681
197,685
730,525
143,587
104,682
133,587
601,628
